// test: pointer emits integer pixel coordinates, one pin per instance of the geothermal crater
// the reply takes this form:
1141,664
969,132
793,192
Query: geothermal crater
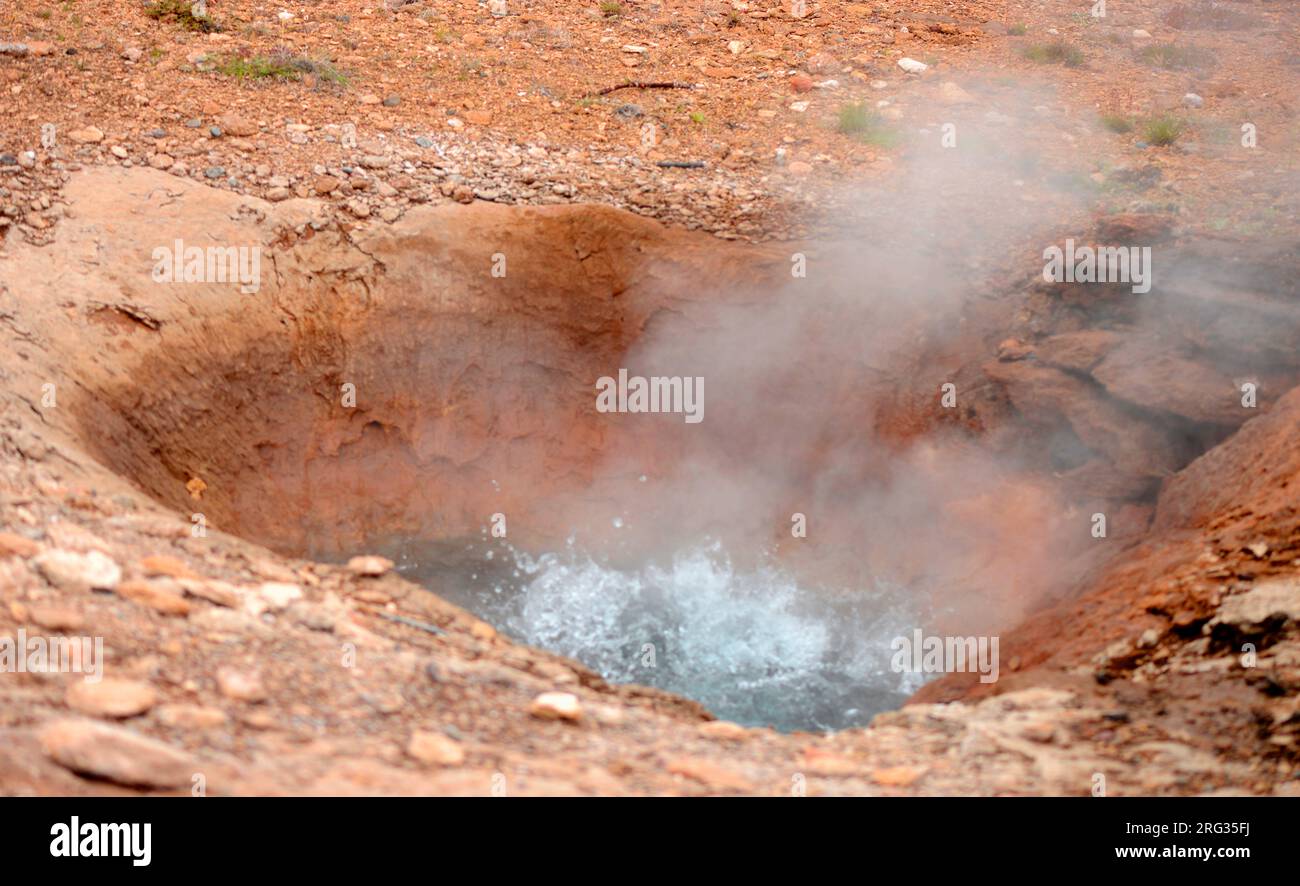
427,391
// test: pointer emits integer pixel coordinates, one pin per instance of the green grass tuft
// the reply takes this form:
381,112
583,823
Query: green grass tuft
866,125
1058,52
1163,131
179,11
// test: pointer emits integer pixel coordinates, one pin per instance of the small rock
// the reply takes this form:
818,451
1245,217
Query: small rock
822,63
325,184
801,83
952,94
215,172
56,618
165,564
369,565
435,749
1273,600
912,66
1140,34
218,592
78,573
238,125
87,135
115,754
241,685
162,595
278,595
897,776
556,706
117,699
392,101
724,729
133,53
12,545
190,717
277,195
1192,100
359,208
478,118
709,774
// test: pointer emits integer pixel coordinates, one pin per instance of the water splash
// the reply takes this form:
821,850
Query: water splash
751,645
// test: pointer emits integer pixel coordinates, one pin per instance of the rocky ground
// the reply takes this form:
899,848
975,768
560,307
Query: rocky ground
1171,666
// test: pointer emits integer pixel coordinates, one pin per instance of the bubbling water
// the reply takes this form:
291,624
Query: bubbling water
751,645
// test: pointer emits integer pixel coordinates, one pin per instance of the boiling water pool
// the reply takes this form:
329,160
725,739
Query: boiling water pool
751,646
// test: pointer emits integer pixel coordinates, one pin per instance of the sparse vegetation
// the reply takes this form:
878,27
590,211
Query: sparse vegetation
1163,130
1117,123
1058,52
865,124
697,117
1018,30
280,66
180,12
1171,56
611,8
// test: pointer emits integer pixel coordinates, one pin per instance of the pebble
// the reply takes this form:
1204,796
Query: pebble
215,172
435,749
556,706
117,699
160,595
87,135
116,754
238,125
70,571
369,565
13,545
56,618
1192,100
278,595
119,152
241,685
190,716
912,66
